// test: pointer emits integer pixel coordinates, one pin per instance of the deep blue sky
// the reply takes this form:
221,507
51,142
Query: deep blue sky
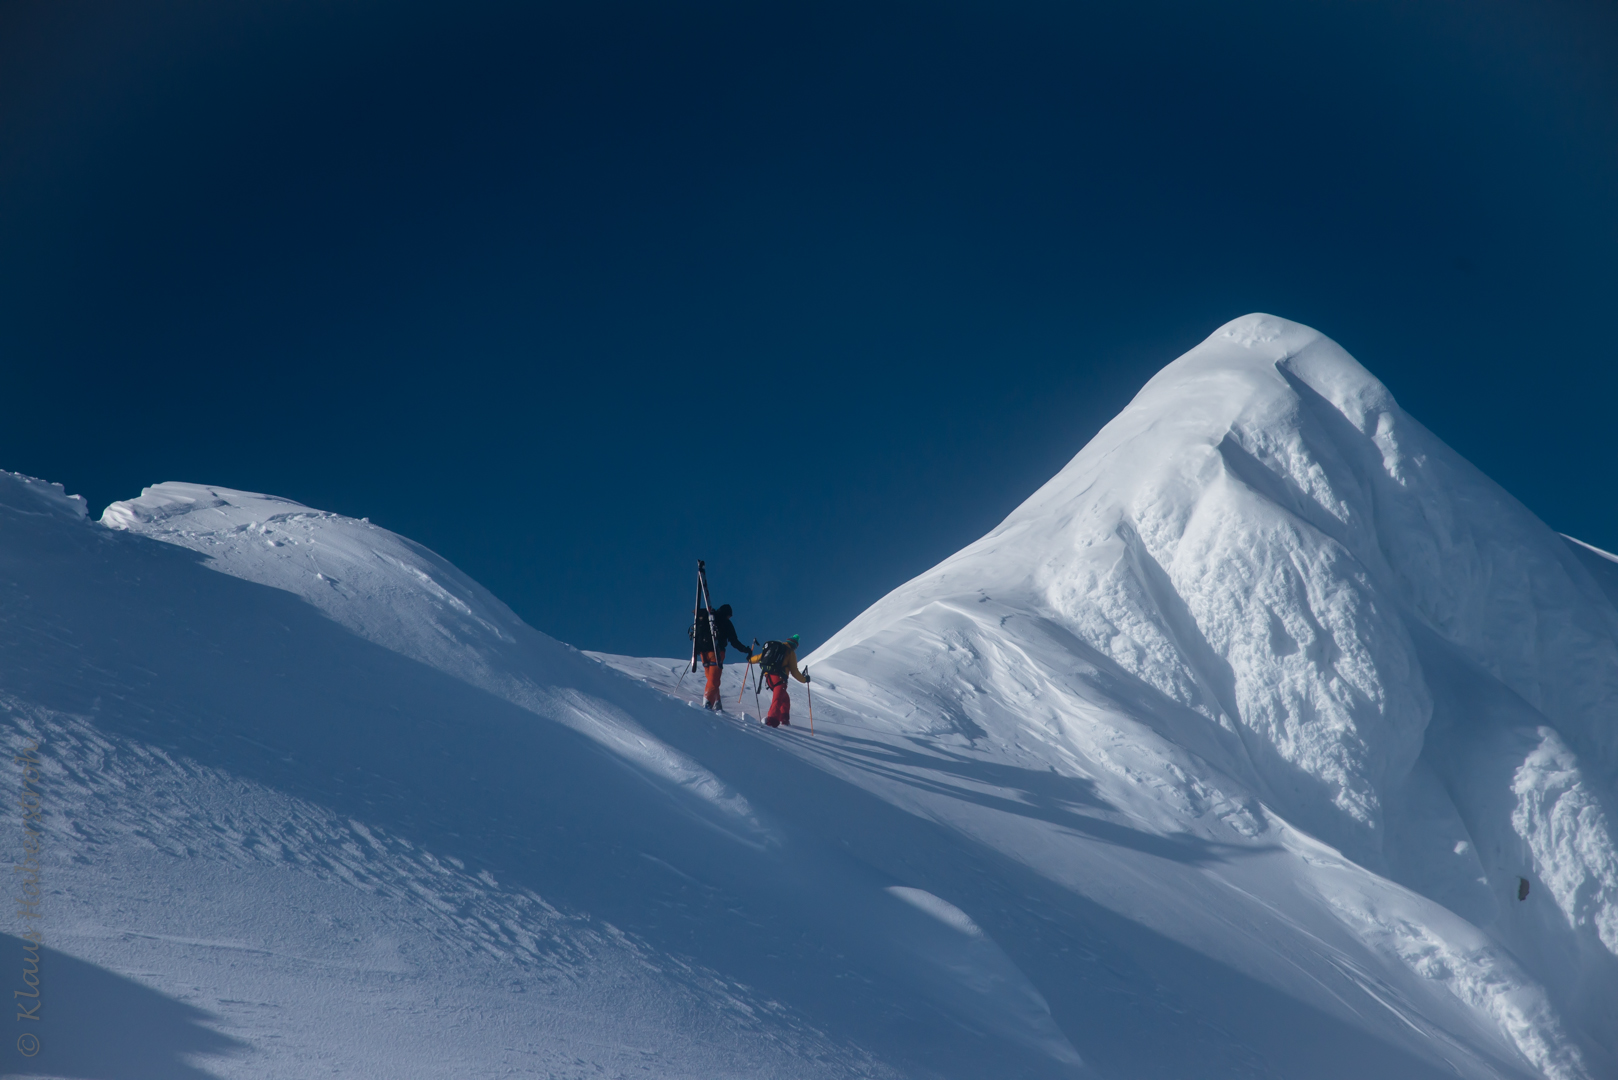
574,294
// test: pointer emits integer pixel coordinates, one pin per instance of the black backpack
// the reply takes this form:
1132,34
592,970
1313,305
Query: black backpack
773,658
701,633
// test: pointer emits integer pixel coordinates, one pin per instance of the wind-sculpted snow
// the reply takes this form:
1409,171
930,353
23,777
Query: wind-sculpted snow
1567,827
1265,540
1228,754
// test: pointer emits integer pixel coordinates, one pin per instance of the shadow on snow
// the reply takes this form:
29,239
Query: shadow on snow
152,646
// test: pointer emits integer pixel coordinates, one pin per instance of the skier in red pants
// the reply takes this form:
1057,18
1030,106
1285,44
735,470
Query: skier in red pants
777,660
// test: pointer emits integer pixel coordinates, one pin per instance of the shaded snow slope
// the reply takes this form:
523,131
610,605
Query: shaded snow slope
316,803
1221,757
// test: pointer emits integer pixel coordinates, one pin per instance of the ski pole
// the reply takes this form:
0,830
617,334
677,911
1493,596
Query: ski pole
692,666
745,672
810,694
694,610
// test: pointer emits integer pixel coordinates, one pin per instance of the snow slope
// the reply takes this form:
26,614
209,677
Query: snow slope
1221,757
317,804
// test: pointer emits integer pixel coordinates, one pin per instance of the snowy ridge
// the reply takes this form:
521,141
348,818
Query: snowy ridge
400,596
1224,755
333,807
1265,540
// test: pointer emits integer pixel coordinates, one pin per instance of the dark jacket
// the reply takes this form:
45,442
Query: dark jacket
726,629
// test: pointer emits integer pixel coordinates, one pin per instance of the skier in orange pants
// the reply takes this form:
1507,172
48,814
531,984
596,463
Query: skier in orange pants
714,659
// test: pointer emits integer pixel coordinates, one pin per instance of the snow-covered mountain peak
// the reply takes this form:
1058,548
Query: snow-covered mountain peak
1252,370
1267,739
1268,563
1257,537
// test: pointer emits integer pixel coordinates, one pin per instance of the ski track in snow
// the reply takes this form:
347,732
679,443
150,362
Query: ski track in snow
1222,756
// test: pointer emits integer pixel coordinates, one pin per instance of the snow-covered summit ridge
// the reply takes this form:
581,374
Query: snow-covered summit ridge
1361,620
393,592
1249,537
354,571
